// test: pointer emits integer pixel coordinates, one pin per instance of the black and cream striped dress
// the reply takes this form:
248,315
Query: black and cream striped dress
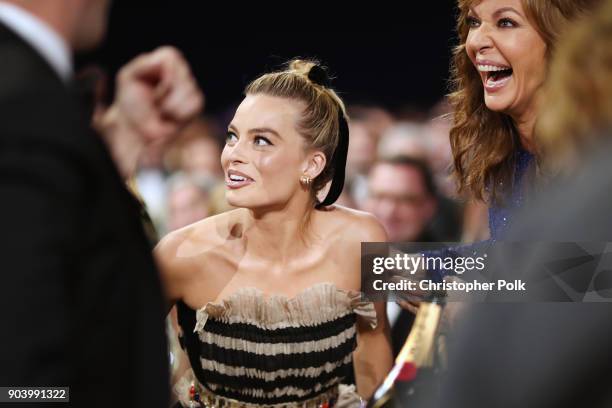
253,350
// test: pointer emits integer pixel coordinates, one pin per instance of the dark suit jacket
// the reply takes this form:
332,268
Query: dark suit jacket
80,295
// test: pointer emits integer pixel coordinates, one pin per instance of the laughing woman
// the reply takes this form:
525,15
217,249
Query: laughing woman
499,69
268,294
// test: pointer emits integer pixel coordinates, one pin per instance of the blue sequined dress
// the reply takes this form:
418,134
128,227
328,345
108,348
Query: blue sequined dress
500,215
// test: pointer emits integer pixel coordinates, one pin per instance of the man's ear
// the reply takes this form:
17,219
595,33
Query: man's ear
315,163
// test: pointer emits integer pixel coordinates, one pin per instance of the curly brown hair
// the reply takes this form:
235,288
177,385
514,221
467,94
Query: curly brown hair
483,141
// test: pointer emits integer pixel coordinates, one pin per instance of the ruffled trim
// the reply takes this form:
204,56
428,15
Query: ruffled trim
288,391
345,396
315,305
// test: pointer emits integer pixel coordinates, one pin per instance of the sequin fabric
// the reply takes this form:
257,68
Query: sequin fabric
500,216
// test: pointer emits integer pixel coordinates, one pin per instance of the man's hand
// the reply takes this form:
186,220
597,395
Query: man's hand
156,97
410,300
157,94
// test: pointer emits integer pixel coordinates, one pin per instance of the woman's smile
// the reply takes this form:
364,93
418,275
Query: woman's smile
235,179
494,75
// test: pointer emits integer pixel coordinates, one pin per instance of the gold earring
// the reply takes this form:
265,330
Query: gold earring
305,180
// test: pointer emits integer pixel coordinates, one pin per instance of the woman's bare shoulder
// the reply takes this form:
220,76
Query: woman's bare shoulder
354,225
344,229
179,250
209,231
182,254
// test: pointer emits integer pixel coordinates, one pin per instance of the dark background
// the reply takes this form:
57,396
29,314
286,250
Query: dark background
396,57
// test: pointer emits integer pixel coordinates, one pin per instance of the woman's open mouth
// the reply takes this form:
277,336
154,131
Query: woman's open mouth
494,76
236,179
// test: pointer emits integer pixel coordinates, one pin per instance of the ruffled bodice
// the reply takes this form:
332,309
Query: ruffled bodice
275,350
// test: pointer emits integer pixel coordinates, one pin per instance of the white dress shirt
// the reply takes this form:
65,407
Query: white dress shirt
40,36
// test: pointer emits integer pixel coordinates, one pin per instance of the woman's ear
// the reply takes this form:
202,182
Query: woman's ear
315,164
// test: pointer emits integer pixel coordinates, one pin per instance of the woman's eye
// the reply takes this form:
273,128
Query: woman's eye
472,22
262,141
506,22
230,137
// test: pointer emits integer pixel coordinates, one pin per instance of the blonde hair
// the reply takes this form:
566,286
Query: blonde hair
483,142
319,125
578,96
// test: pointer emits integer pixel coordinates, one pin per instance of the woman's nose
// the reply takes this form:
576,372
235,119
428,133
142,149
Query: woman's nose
236,153
480,39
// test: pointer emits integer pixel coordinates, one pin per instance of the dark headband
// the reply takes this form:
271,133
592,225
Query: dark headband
338,162
318,75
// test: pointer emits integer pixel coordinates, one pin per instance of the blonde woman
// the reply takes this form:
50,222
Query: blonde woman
268,294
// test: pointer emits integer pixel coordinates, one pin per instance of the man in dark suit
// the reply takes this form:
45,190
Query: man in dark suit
80,296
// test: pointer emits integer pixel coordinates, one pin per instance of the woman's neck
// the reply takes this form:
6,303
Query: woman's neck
278,234
525,124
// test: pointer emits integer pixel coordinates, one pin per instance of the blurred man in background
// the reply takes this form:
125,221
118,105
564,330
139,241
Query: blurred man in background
401,194
403,197
78,286
428,142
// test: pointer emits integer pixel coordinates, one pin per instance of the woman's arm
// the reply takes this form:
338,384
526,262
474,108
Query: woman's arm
373,358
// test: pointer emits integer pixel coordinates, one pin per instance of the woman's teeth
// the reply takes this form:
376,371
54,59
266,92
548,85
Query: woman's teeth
235,181
491,68
493,83
495,76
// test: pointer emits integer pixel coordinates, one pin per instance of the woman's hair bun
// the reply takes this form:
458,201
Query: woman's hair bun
311,69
